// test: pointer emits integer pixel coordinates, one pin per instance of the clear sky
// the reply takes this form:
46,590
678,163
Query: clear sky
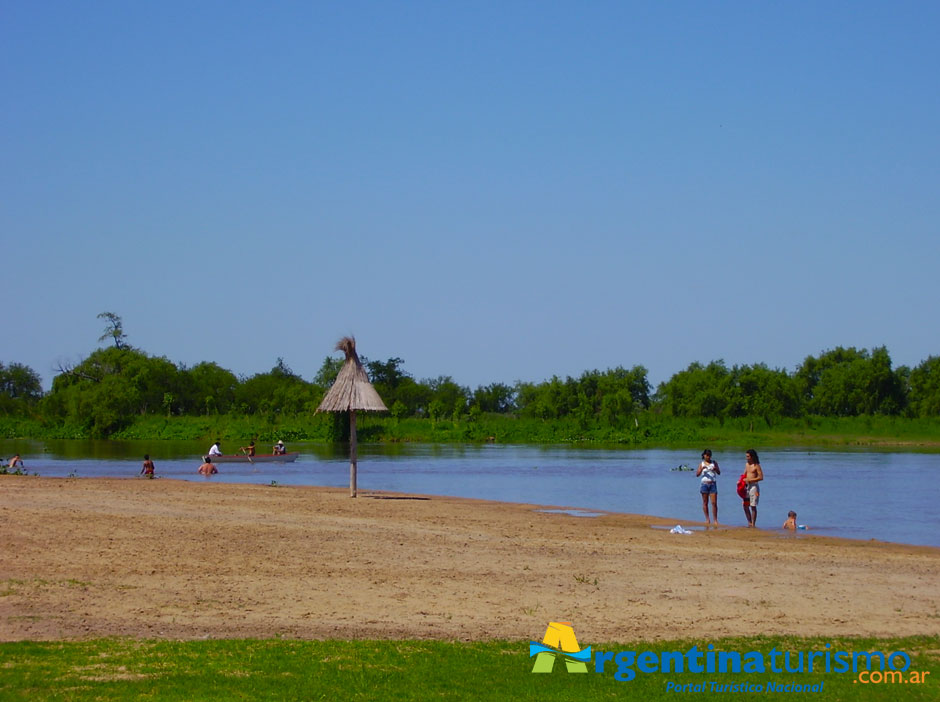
495,191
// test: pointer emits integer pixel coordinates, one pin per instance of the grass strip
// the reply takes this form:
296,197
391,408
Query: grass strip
121,669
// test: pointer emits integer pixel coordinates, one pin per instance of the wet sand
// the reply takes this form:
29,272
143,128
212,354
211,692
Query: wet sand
162,558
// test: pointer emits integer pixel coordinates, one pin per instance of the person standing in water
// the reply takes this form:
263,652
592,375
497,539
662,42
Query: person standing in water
207,468
753,475
709,471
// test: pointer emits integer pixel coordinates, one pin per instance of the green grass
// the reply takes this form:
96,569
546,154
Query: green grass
120,669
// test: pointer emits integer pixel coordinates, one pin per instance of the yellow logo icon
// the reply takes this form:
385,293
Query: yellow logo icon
559,641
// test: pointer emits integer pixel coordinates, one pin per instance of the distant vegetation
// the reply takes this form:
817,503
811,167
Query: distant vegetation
123,392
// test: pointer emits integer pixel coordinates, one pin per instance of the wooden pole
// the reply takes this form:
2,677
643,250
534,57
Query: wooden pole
352,453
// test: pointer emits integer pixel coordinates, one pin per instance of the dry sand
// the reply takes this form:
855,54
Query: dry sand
172,559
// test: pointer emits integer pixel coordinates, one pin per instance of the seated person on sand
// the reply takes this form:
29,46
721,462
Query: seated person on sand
791,521
207,468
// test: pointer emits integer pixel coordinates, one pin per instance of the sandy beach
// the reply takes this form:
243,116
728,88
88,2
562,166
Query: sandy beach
173,559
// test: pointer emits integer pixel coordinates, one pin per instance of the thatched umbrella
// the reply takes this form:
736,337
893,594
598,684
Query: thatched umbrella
351,391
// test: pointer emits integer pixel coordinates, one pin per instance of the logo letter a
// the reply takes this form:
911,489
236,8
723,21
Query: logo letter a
559,635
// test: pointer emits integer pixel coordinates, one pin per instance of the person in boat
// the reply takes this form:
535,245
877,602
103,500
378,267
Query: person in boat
207,468
279,448
148,466
248,450
215,449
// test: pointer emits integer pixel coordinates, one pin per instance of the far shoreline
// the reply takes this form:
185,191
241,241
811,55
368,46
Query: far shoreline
651,431
849,443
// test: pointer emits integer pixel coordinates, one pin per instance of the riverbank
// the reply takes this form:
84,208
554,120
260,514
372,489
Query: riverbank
172,559
648,430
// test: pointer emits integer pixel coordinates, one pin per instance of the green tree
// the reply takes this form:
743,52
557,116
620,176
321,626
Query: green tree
169,399
326,376
276,393
619,393
387,378
495,397
389,373
20,382
206,387
416,396
758,391
448,393
394,384
398,410
850,382
20,388
436,410
697,391
105,391
282,370
548,400
607,397
152,377
114,330
924,384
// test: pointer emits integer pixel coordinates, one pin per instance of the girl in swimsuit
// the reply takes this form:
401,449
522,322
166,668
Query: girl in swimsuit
709,472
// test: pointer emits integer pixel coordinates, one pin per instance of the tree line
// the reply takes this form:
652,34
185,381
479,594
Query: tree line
112,386
106,391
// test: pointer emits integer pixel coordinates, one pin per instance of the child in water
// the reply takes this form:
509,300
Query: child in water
791,522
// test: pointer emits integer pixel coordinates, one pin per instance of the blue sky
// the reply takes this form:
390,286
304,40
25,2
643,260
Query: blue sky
496,191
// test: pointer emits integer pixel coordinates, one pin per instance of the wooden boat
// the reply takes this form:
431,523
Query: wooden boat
258,458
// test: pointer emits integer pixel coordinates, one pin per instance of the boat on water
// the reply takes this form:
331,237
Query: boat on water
258,458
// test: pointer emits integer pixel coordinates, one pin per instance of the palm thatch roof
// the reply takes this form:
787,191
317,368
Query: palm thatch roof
351,390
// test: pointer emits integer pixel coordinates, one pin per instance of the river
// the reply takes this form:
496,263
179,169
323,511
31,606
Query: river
888,496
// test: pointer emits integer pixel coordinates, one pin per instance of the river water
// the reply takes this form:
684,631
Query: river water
888,496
